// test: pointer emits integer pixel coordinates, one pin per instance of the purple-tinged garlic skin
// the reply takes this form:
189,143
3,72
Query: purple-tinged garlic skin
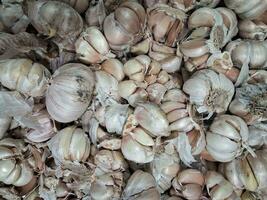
70,92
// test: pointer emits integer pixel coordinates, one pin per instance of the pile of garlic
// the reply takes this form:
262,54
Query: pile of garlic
133,100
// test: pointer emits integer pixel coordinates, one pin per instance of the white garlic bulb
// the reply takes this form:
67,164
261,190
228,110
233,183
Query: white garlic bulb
189,184
165,167
70,144
140,186
209,92
231,132
11,171
249,173
70,92
24,76
218,187
252,29
92,46
152,118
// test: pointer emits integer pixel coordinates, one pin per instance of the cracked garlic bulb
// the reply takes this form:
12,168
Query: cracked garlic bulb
92,46
25,76
209,91
13,172
70,144
231,132
70,92
125,26
141,186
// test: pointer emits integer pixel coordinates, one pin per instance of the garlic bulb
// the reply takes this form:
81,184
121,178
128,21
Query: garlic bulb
141,185
218,187
249,173
24,76
152,118
70,92
110,183
13,18
79,5
4,125
13,172
96,14
209,92
64,26
247,10
125,26
231,132
92,46
250,103
70,144
109,161
252,29
257,135
137,144
188,184
165,167
166,23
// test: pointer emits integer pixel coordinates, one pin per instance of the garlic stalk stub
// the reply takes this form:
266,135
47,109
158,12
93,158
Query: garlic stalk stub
70,92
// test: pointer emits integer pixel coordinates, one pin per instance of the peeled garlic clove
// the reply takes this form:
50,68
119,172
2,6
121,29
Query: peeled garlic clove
70,92
152,118
24,76
70,144
92,46
113,67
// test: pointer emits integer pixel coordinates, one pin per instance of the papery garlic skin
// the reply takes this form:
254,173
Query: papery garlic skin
70,92
64,26
141,185
13,18
209,91
165,167
79,5
231,132
13,172
125,26
249,173
165,23
250,103
247,10
218,187
152,118
4,125
70,144
189,184
92,46
24,76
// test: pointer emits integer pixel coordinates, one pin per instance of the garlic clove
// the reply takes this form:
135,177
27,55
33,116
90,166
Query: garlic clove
194,48
114,67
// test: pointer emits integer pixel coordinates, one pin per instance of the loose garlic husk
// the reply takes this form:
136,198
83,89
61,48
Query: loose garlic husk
209,92
188,184
245,9
70,92
218,187
250,103
79,5
47,20
231,132
24,76
249,172
141,185
13,172
166,23
125,26
111,183
252,29
4,125
165,167
109,161
70,144
152,118
136,145
13,18
92,46
96,14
